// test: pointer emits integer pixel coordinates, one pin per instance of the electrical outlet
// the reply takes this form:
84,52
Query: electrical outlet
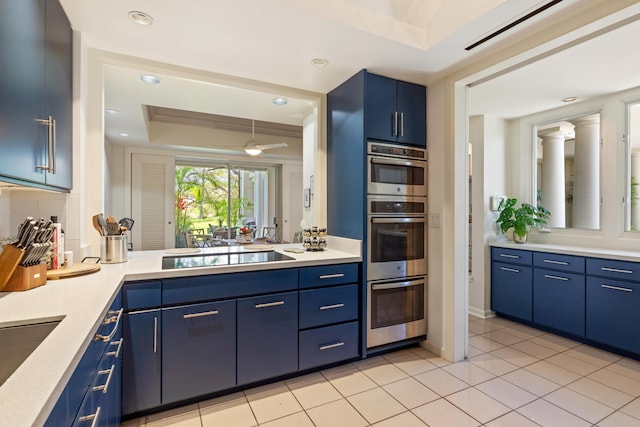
494,202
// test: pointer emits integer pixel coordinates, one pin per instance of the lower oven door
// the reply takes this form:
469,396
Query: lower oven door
396,310
397,247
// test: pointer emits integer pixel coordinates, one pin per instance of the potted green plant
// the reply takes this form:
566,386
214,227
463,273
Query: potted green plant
520,218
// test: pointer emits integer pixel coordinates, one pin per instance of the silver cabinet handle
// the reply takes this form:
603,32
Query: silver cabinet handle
551,261
269,304
513,270
109,337
510,256
92,417
616,270
203,314
116,353
401,124
395,123
330,346
331,276
155,334
397,162
549,276
105,387
51,145
329,307
617,288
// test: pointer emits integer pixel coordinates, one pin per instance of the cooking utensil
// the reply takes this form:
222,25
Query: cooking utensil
96,224
126,222
103,225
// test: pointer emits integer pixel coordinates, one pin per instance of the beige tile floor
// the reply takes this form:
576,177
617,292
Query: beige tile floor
514,376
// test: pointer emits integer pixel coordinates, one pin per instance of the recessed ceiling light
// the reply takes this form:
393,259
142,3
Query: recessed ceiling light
111,111
279,101
319,62
569,99
147,78
140,18
123,134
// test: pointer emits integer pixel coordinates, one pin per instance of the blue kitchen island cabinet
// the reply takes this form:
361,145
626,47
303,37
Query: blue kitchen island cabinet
198,349
142,368
512,283
267,336
36,94
395,111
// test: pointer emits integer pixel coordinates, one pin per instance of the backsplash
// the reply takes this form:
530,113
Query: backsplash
16,204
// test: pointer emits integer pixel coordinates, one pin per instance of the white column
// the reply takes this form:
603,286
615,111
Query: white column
553,182
586,182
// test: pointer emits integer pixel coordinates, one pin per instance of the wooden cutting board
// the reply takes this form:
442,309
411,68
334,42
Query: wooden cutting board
77,269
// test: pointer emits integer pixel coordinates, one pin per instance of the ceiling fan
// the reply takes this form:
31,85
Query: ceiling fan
252,148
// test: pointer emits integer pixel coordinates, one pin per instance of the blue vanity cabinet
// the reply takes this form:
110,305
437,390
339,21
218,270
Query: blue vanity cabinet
559,300
267,336
512,283
395,111
198,349
613,306
141,352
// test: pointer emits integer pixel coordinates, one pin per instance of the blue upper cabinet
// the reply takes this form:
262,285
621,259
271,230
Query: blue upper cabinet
36,85
395,111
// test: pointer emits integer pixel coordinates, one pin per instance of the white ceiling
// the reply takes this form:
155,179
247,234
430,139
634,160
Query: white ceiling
273,41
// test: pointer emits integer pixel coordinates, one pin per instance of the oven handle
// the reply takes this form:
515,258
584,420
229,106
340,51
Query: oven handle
395,162
387,220
395,285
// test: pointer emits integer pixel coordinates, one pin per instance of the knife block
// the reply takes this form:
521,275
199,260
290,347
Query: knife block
25,278
9,259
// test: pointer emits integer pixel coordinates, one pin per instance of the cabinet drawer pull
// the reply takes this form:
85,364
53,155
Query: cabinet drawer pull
330,346
513,270
331,276
616,270
510,256
203,314
329,307
105,387
551,261
401,124
116,353
549,276
51,145
93,418
395,123
116,319
617,288
269,304
155,335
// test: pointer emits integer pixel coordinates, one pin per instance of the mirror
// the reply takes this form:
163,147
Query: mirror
568,171
632,199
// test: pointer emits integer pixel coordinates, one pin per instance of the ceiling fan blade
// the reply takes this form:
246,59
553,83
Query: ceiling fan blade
268,146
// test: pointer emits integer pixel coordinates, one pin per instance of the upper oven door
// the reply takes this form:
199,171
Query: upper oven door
387,175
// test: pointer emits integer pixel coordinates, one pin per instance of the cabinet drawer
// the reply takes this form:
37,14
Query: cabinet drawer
225,286
614,269
568,263
512,256
512,290
138,295
328,275
328,345
328,305
559,300
612,313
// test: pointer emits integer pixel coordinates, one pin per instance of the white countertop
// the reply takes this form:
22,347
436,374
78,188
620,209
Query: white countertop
29,394
570,250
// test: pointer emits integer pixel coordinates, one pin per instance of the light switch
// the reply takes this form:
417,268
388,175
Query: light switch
494,202
434,220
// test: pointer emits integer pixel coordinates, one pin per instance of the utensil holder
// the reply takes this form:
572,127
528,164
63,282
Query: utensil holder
113,249
9,259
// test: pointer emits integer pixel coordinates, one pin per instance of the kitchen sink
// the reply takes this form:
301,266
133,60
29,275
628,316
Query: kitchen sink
18,342
212,260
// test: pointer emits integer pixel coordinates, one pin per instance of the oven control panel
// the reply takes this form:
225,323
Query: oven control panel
397,151
395,207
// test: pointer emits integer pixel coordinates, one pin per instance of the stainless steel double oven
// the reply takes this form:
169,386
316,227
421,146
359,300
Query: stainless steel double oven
396,243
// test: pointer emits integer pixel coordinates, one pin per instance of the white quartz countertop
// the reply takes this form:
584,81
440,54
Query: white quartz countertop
29,394
570,250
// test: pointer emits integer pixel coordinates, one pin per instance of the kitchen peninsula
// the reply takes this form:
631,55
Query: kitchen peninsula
31,392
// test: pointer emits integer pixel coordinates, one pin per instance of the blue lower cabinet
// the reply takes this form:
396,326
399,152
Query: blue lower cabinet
267,336
559,300
324,306
141,361
512,290
327,345
198,350
613,313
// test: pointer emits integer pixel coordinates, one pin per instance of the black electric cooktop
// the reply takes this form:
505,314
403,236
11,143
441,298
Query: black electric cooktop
212,260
